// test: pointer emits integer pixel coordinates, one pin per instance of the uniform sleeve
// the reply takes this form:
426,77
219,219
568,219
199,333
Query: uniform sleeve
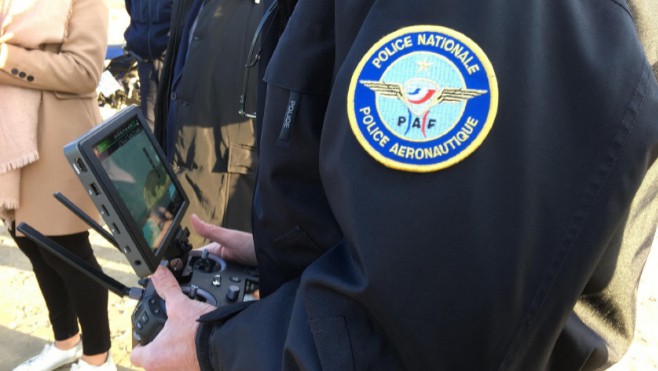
75,68
601,327
262,327
488,256
301,326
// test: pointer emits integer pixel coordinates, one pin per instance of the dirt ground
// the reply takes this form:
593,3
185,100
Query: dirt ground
25,329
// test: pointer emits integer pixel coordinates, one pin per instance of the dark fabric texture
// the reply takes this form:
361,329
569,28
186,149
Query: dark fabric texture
147,33
525,255
69,294
149,79
146,37
212,148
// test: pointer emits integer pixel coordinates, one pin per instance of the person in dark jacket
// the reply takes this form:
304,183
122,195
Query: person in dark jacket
443,185
146,38
211,146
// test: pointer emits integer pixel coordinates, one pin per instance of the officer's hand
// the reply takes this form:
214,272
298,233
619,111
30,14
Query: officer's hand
174,347
228,244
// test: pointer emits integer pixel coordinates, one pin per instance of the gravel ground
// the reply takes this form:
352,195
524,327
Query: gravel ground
25,329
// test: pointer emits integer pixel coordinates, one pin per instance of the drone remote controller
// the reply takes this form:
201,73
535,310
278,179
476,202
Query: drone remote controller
138,195
204,277
211,280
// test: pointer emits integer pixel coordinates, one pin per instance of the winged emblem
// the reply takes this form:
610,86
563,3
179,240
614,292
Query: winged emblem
419,95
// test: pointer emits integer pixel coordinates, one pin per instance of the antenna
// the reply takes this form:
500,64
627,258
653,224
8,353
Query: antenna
84,267
86,218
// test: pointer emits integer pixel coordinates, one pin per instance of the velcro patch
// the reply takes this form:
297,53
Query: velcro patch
422,98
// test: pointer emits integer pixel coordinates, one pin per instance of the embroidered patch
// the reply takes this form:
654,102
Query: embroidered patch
422,98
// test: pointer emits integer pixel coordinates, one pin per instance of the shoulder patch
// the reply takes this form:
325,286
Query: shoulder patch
422,98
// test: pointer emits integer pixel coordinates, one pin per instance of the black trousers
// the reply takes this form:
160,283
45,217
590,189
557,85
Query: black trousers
70,295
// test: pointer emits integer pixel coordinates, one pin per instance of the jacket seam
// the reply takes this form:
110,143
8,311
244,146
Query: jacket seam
581,214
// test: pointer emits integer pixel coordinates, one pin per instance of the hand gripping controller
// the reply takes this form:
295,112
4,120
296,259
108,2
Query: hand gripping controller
202,276
206,278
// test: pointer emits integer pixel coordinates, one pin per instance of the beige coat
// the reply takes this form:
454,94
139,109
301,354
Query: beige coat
67,74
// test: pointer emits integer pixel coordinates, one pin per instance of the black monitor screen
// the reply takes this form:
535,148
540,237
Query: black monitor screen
140,179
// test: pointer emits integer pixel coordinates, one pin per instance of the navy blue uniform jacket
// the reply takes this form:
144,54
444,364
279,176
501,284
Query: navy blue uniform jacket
148,32
522,255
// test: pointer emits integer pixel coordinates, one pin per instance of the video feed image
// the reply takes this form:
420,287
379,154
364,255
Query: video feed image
141,180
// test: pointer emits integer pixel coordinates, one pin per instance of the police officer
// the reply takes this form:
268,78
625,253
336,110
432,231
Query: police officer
451,185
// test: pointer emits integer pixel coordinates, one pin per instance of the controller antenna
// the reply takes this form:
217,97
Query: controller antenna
86,218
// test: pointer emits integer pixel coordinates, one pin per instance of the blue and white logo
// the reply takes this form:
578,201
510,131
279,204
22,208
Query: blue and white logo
422,99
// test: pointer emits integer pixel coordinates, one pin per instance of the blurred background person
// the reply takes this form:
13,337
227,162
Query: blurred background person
51,59
146,38
211,146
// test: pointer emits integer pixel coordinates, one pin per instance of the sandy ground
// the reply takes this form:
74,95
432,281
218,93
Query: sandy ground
24,324
25,329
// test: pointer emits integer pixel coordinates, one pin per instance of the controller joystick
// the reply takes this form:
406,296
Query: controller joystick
204,263
126,139
211,280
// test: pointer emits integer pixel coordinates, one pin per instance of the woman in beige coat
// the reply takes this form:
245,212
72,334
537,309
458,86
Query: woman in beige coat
51,59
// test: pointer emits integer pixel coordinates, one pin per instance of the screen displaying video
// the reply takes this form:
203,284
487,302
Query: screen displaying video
141,180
